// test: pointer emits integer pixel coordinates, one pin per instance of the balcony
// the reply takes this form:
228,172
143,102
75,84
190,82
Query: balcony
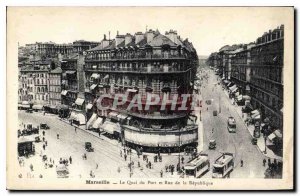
136,57
146,70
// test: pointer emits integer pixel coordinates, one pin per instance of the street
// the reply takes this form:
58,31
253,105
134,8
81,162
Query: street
238,143
106,160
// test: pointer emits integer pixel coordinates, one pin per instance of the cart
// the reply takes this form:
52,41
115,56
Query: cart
44,126
88,147
212,144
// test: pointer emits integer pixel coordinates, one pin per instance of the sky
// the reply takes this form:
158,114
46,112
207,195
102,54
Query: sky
207,28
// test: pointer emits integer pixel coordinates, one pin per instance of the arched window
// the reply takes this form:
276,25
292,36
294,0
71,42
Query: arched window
42,89
38,89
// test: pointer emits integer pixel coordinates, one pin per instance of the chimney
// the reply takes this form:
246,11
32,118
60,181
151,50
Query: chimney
128,39
104,42
119,39
138,37
149,35
172,35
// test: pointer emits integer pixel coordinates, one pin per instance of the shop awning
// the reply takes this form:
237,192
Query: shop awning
226,81
70,72
247,88
229,84
37,107
232,87
246,97
278,133
78,117
131,90
254,112
91,120
79,101
95,76
64,92
240,98
26,139
24,106
106,77
108,127
25,103
237,94
97,123
113,114
271,136
122,116
257,117
89,106
93,86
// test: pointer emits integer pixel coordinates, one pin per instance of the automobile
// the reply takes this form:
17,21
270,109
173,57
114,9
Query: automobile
88,147
231,124
29,110
212,144
44,126
62,171
215,113
37,139
254,141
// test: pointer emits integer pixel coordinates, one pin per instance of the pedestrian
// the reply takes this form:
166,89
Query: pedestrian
119,169
43,139
120,153
161,173
31,167
212,130
44,146
150,164
125,157
96,165
70,159
75,130
139,165
264,162
57,136
269,163
43,133
242,163
182,159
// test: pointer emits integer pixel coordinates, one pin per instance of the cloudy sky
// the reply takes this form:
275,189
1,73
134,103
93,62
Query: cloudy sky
207,28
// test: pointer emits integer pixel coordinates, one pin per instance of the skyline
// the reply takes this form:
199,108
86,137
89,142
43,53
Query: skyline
207,28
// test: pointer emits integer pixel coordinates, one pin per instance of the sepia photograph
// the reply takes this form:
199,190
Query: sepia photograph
150,98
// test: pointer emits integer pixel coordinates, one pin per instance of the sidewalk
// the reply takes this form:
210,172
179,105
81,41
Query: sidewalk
260,141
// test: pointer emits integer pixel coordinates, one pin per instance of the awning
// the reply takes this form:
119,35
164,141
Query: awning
78,117
79,101
237,94
25,103
70,72
91,120
246,97
24,106
64,92
106,77
37,107
26,139
122,116
254,112
278,133
240,98
230,83
108,127
113,114
93,86
131,90
257,117
226,81
232,87
89,106
247,88
97,123
271,136
95,76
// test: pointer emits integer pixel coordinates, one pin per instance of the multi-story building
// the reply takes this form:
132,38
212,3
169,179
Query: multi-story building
143,64
55,87
82,45
267,75
34,80
240,69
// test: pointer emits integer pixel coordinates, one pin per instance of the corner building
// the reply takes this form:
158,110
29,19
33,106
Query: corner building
144,64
